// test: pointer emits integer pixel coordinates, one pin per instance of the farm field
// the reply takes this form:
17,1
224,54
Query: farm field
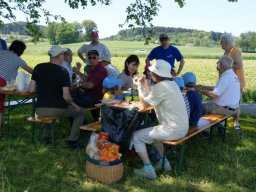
199,60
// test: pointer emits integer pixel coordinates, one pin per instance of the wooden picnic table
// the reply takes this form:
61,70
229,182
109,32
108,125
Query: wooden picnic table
18,98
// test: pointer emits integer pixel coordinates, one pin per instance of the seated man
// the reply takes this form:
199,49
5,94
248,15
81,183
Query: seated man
226,93
51,81
92,84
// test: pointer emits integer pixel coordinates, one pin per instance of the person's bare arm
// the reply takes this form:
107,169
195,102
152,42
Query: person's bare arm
32,87
87,85
67,97
238,60
81,56
28,69
182,63
209,94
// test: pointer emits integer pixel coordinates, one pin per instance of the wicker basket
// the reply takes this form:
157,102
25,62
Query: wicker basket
107,173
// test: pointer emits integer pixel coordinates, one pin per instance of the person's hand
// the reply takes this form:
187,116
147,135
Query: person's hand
76,70
198,88
143,80
78,65
136,81
77,108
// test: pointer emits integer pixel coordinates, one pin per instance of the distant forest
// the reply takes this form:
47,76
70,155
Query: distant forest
72,32
178,36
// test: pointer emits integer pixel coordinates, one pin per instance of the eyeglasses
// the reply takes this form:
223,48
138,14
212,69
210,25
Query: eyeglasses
90,58
164,39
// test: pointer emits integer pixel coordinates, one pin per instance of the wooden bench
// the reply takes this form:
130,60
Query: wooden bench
213,119
95,126
44,120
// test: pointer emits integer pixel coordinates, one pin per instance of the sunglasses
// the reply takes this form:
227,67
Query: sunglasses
90,58
164,39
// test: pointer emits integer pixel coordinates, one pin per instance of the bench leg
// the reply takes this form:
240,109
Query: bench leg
181,158
53,127
224,128
32,132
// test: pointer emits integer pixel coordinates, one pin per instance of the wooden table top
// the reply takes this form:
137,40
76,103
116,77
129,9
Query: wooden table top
125,105
18,93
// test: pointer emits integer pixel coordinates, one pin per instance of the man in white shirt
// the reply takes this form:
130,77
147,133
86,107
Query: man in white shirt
94,45
226,93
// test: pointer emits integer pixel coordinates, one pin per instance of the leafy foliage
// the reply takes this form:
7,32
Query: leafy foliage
178,36
88,26
247,42
139,14
62,33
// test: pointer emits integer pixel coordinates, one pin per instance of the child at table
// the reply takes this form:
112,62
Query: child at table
194,98
110,87
170,109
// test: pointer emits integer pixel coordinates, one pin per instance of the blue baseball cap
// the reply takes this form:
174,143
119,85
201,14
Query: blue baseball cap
189,78
110,82
179,82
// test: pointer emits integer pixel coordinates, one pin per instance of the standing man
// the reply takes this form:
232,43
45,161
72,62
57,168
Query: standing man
10,62
226,42
51,81
168,53
94,45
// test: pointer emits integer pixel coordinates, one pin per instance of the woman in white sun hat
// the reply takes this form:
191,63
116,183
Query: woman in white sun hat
167,100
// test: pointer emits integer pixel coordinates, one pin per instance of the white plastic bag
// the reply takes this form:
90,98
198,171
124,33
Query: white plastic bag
22,81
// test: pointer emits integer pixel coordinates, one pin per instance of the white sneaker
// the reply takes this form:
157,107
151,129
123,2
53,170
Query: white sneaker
149,174
167,166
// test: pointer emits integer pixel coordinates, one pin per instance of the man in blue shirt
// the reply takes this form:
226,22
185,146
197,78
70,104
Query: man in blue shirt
168,53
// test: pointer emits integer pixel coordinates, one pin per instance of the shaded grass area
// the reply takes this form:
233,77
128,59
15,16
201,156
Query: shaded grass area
209,165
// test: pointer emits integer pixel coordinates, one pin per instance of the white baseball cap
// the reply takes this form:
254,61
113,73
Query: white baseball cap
55,50
162,68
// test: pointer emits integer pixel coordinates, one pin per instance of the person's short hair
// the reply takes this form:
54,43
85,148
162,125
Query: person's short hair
17,47
130,59
226,61
68,51
228,38
163,36
93,52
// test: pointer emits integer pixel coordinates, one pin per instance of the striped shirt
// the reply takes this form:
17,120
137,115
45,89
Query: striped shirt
187,104
9,65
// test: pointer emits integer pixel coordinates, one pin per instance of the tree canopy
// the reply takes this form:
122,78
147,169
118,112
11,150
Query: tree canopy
139,14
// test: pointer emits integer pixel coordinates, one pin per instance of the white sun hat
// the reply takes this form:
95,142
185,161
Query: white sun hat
162,68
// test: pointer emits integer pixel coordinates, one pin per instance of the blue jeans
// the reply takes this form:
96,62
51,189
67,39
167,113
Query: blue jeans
87,102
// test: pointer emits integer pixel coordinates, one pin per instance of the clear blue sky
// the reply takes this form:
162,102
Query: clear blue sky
208,15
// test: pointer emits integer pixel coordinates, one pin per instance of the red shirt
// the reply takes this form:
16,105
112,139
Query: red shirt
96,76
